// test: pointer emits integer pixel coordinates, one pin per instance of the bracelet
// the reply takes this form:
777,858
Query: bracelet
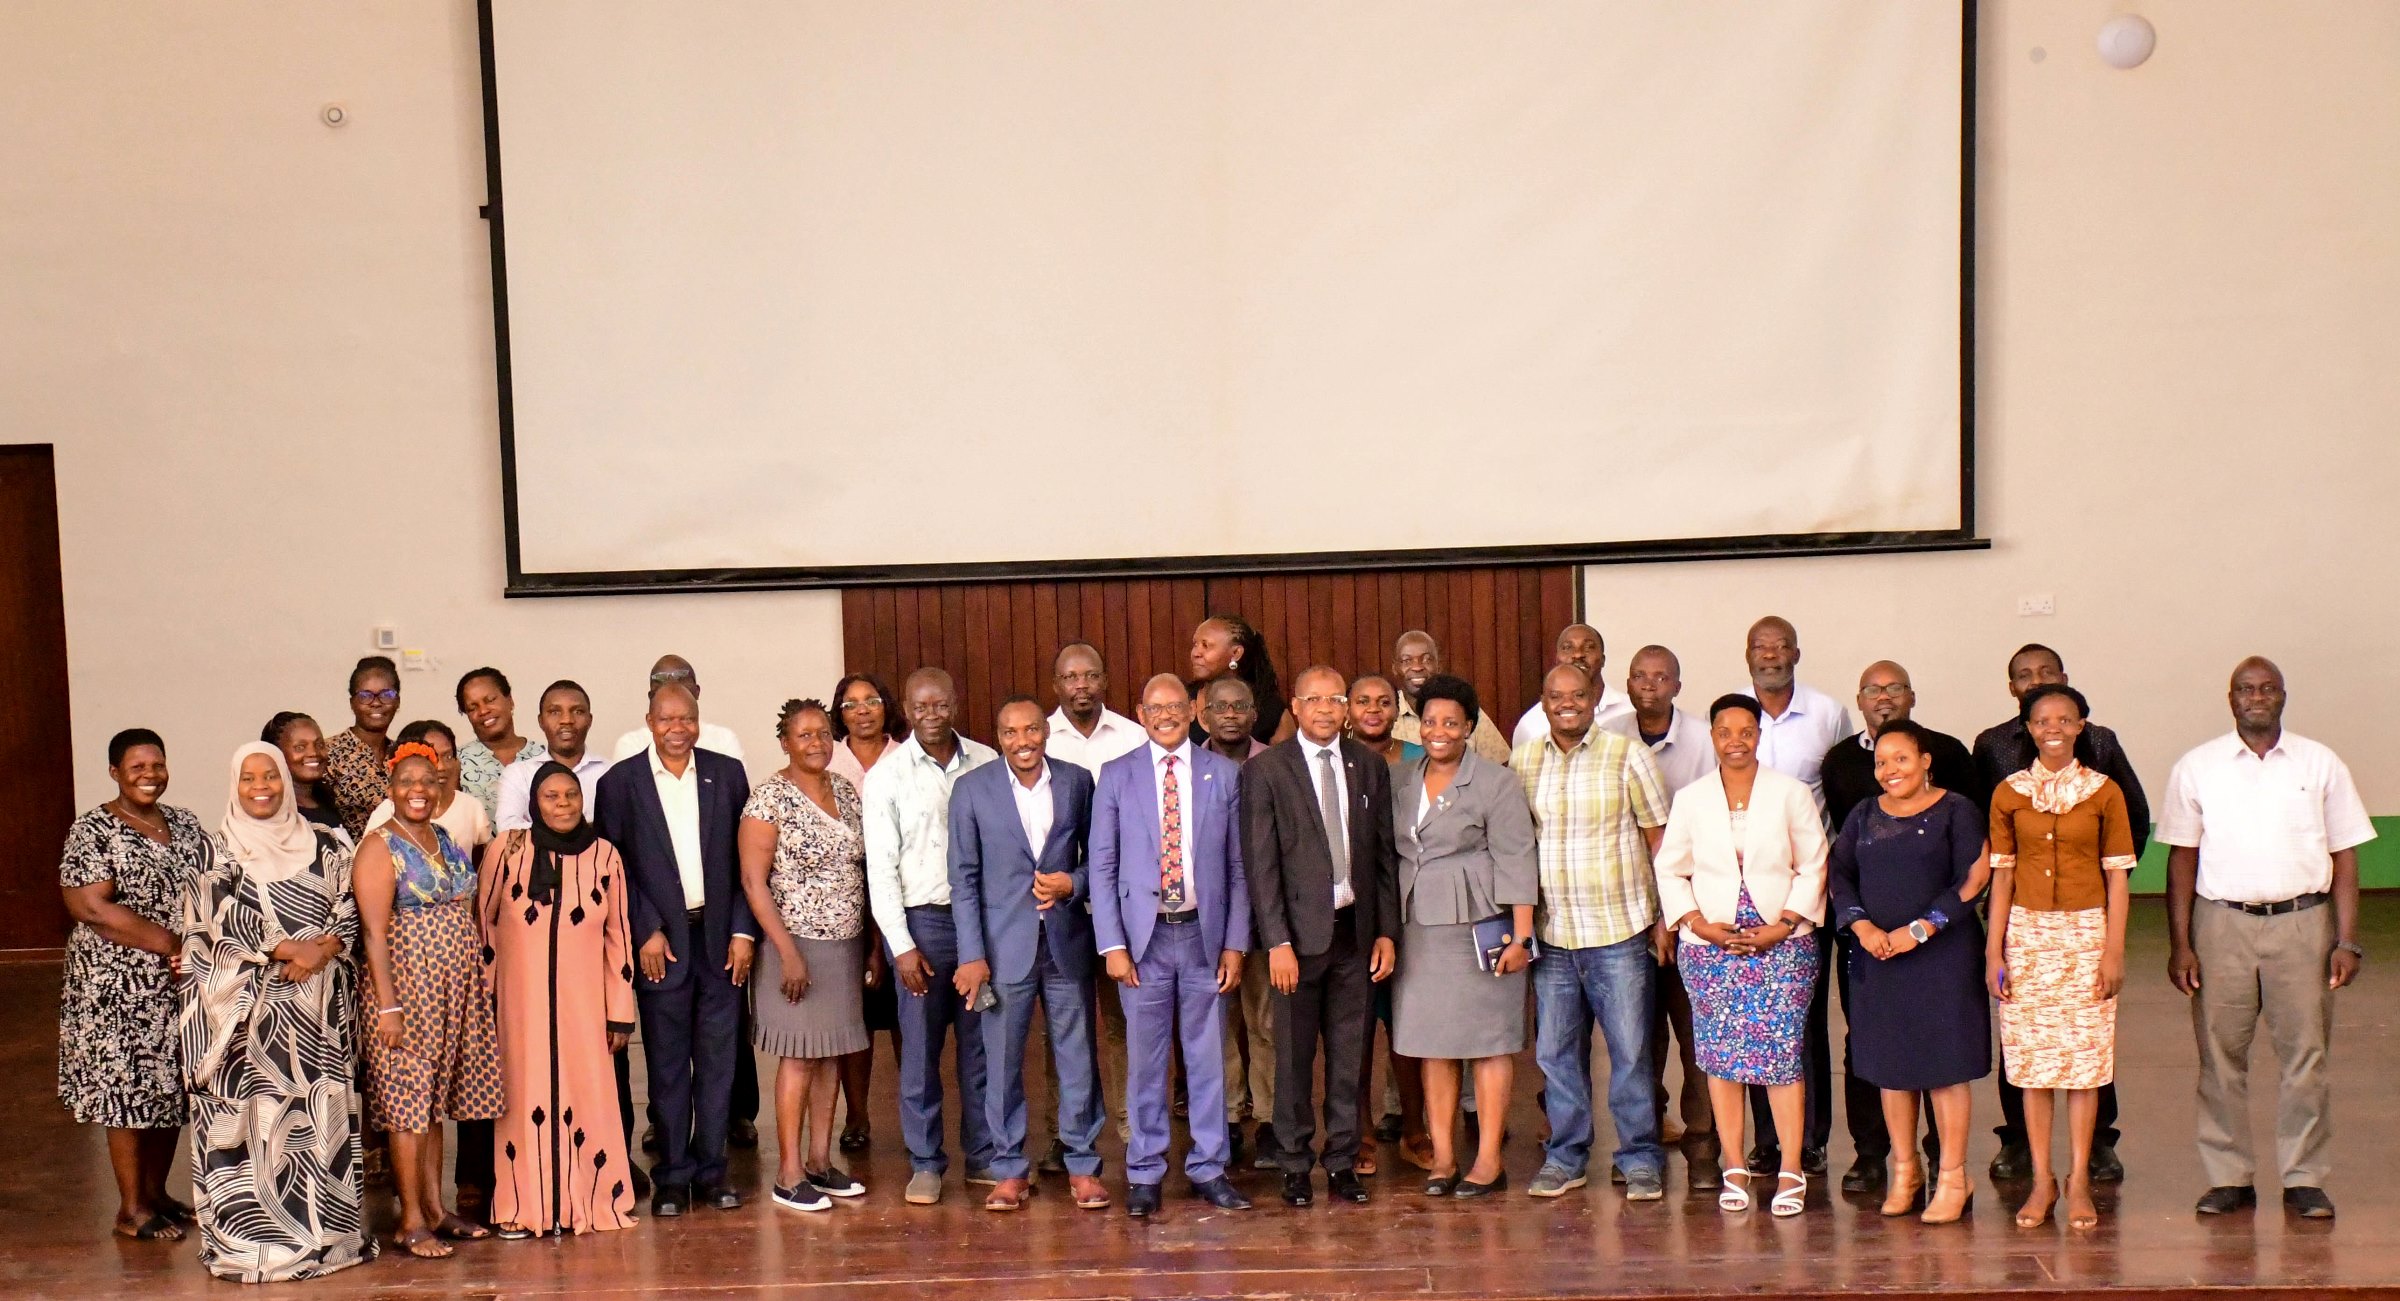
387,1011
2351,947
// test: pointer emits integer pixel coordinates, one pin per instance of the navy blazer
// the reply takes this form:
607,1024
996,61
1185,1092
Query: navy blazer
1125,833
991,872
631,818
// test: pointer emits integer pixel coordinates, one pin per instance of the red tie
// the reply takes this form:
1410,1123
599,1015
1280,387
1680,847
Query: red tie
1170,843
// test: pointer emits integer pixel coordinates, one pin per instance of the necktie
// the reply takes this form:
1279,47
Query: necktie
1329,804
1170,842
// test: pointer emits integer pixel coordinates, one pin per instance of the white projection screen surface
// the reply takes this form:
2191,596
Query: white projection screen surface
804,292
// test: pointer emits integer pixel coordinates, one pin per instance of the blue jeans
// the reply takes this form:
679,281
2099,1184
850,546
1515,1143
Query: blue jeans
1615,985
925,1021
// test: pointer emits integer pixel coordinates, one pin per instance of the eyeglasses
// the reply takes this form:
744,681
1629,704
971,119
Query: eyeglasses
387,696
1312,702
1082,678
862,704
1168,709
1886,689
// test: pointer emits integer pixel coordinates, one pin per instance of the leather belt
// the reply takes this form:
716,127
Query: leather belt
2295,904
1187,917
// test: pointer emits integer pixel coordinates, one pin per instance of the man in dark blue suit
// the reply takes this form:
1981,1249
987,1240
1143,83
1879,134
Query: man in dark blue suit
1018,837
674,812
1171,913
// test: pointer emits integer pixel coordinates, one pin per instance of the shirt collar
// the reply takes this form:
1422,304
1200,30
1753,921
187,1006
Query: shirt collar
1110,721
658,766
1310,749
1550,739
958,752
1040,785
1182,753
2241,749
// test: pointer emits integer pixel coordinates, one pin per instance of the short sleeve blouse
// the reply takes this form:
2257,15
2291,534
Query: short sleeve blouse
2059,858
818,880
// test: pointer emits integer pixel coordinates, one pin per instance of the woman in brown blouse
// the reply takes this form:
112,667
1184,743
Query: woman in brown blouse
354,762
2062,850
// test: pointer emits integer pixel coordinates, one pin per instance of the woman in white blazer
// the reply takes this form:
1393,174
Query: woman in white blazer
1741,874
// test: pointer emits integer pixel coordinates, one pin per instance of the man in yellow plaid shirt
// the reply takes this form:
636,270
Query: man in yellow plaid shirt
1599,808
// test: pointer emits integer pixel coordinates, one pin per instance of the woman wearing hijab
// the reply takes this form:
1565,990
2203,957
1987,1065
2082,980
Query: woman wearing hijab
269,930
552,908
432,1052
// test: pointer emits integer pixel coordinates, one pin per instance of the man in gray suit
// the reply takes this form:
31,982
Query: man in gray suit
1019,832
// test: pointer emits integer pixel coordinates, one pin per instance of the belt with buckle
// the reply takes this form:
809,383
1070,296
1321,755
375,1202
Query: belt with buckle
1185,918
2295,904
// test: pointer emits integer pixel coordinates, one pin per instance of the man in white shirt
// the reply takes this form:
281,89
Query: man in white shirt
566,722
1580,645
713,736
906,814
2262,919
1679,745
1797,724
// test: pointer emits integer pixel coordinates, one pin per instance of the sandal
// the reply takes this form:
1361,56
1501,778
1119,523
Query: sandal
458,1229
423,1245
511,1232
1733,1196
175,1210
158,1228
1790,1201
2027,1218
1363,1165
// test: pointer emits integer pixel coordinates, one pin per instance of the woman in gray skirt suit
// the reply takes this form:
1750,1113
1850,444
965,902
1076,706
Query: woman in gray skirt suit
804,870
1465,837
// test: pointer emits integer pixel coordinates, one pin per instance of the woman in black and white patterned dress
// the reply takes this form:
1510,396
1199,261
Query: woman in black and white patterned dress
124,873
269,1043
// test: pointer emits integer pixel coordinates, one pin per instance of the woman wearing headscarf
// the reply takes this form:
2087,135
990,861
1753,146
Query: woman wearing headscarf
432,1052
127,866
552,907
268,1045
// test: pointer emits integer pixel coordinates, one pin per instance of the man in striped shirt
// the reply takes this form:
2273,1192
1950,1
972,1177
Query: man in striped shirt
1599,810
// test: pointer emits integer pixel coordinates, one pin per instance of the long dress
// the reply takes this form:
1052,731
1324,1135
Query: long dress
1921,1020
447,1065
275,1158
119,1063
564,975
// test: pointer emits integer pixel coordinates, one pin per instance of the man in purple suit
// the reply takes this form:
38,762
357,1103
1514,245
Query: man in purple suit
1170,910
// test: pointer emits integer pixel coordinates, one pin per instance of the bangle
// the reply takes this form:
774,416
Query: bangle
2350,947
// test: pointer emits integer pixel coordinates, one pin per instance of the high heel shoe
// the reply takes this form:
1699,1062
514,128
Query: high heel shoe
1733,1196
1791,1194
1953,1196
1907,1187
2038,1218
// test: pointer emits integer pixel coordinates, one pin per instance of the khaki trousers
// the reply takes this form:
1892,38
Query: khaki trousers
2274,968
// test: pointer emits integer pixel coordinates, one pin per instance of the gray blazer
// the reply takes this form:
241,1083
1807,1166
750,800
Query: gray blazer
1473,854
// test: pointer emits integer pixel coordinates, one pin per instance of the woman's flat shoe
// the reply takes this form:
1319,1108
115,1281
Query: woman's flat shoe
1440,1185
1734,1197
1791,1194
1469,1188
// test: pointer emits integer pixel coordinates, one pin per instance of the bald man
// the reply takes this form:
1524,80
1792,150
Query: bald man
1579,644
2262,917
713,736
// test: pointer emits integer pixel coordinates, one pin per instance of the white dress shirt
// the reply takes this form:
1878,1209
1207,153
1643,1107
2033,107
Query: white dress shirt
1684,755
679,799
905,809
713,736
1535,724
2267,825
1034,810
1343,895
1113,735
1794,743
515,800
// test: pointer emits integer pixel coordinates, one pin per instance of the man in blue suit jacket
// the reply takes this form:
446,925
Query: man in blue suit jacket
1018,837
674,813
1171,912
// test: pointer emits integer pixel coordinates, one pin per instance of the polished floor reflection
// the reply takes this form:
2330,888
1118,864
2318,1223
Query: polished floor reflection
54,1239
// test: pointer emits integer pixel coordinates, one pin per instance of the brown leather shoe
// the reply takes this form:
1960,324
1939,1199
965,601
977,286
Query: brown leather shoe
1008,1195
1090,1193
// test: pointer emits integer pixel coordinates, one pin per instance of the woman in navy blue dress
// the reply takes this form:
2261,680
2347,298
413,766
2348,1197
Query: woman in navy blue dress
1906,871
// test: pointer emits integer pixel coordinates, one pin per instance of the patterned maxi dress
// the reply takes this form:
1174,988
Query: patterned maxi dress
275,1155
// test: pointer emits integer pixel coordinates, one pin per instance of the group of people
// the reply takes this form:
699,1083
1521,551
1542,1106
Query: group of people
1204,902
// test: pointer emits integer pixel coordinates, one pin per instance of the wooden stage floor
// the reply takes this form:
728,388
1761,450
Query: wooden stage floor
54,1238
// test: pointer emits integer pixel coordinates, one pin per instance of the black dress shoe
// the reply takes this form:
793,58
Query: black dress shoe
1865,1175
1469,1188
1264,1150
1233,1147
1054,1158
641,1181
1296,1190
1141,1200
1220,1193
2226,1198
723,1197
650,1139
1387,1130
1345,1185
1812,1162
1765,1160
742,1134
2104,1166
2013,1163
2308,1203
670,1200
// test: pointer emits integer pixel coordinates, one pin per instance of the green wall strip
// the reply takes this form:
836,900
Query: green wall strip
2378,862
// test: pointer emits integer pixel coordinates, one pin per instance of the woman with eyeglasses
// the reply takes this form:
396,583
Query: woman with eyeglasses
866,725
354,762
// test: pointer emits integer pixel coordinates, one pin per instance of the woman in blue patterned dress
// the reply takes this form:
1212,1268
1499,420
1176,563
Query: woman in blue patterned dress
1741,873
433,1048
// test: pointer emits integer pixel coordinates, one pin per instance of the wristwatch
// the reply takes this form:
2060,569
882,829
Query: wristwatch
2352,948
1919,931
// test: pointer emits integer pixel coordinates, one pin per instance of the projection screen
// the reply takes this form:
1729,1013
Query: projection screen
813,292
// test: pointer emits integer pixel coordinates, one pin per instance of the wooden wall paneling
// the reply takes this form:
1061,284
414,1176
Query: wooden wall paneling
36,745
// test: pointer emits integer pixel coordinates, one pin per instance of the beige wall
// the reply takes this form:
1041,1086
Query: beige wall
263,350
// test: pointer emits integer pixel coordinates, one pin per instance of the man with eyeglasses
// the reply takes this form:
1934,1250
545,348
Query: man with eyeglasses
905,812
713,736
1884,698
1325,898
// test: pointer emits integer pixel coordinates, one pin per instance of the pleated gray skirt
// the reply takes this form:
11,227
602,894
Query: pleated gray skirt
830,1019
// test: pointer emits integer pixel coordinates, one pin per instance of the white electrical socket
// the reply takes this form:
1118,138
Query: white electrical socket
2040,603
415,661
